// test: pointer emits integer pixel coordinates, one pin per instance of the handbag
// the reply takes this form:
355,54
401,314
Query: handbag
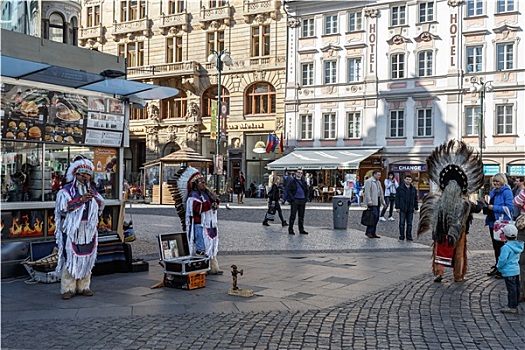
500,224
367,217
270,214
520,222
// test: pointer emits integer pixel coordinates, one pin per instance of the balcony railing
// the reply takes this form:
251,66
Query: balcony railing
178,19
216,14
269,61
253,8
178,68
139,25
96,33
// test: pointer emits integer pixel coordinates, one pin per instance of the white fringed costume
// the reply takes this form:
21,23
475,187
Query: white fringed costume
76,231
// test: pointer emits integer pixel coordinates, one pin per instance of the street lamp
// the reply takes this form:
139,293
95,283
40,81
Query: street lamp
481,87
219,58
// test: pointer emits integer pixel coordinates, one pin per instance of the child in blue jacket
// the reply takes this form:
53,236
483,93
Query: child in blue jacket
508,265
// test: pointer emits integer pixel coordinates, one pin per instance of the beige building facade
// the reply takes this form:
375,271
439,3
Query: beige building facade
169,43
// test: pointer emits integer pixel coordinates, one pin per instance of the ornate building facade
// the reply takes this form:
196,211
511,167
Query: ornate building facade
169,43
404,76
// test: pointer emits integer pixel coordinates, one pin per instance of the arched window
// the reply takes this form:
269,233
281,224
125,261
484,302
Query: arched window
56,27
260,99
174,107
73,32
210,95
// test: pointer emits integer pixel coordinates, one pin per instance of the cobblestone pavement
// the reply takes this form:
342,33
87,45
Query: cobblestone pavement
417,314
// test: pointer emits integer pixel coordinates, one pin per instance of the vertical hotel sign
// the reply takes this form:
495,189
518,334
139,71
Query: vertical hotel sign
453,30
213,124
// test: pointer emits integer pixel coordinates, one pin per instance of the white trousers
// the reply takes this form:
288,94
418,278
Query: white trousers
70,284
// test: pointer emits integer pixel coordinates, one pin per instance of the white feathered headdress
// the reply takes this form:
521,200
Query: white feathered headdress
180,186
79,165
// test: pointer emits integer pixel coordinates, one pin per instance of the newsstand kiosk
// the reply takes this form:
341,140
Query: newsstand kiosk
49,114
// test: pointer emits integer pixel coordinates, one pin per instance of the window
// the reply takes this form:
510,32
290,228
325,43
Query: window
330,24
354,69
306,127
260,99
215,42
355,21
425,63
398,65
504,119
354,125
137,113
261,40
174,107
398,15
474,8
174,49
133,52
217,3
505,53
307,70
505,6
426,12
329,125
424,122
330,72
472,120
132,10
211,95
397,123
176,6
56,28
308,28
93,16
474,59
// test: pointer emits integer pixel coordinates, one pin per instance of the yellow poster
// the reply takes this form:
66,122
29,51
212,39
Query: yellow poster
105,159
213,131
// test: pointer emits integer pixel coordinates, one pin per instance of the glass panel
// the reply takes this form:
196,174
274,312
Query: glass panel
23,223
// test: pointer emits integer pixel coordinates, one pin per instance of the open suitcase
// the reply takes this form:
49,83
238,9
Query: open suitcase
174,253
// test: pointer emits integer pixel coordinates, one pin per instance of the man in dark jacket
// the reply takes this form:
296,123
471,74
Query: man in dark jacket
297,192
406,205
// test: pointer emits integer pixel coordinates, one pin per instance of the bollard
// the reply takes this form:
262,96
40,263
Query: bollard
340,205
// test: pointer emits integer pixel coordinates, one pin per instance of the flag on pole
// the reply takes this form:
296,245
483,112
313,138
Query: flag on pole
276,142
281,143
270,145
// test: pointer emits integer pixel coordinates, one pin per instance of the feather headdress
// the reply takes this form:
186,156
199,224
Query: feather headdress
80,164
458,171
180,187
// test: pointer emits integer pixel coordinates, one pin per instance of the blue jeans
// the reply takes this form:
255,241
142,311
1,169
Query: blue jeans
513,289
198,237
372,229
357,198
405,217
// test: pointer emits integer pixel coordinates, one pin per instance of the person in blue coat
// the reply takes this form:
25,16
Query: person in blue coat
357,191
500,197
508,266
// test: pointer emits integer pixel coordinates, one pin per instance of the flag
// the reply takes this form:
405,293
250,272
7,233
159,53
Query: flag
281,143
270,145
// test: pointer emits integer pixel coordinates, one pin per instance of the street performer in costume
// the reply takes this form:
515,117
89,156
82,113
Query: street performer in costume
77,211
197,207
458,171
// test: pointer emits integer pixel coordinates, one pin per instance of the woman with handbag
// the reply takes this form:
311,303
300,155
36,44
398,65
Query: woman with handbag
273,203
500,197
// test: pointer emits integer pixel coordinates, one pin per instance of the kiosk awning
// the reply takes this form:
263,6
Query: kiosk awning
322,158
19,68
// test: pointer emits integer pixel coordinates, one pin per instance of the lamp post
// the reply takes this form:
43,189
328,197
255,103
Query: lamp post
219,58
481,87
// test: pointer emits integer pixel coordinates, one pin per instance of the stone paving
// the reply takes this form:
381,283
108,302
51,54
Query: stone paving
329,290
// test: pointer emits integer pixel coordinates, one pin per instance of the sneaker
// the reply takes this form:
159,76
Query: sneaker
382,218
303,232
391,218
509,310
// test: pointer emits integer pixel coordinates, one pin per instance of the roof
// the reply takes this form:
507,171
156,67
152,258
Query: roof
322,158
183,155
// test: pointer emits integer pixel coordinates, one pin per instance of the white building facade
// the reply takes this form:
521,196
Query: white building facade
399,75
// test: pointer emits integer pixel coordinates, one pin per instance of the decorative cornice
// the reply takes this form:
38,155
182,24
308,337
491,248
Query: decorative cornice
426,37
351,45
506,28
372,13
455,3
294,22
332,47
398,40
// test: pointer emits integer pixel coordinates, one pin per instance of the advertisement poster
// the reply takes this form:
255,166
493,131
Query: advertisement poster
106,138
105,159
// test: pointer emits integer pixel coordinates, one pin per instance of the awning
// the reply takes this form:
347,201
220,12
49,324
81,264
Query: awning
322,158
18,68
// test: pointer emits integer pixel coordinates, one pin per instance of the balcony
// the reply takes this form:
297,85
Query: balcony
139,26
92,33
260,7
176,20
181,69
216,14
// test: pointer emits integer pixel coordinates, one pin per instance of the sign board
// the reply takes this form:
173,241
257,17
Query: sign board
219,159
491,169
213,131
408,167
516,170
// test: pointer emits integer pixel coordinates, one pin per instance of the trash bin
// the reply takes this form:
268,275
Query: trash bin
340,205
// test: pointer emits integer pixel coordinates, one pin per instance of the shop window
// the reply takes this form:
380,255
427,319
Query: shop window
211,95
261,40
23,173
174,107
260,99
56,28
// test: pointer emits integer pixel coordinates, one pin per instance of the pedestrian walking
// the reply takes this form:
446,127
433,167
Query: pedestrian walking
509,268
391,186
358,188
500,197
406,205
519,201
373,199
77,210
273,199
297,192
239,187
